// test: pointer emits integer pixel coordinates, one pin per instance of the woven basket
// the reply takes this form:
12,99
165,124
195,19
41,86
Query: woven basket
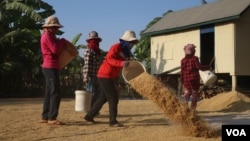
133,70
67,54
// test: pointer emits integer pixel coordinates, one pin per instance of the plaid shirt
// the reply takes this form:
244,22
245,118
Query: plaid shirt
190,67
91,63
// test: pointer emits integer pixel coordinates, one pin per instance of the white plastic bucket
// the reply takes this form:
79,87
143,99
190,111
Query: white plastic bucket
82,101
208,77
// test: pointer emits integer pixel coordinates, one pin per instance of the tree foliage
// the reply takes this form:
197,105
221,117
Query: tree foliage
20,56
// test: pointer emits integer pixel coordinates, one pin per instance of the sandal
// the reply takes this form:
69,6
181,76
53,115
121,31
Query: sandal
43,121
55,122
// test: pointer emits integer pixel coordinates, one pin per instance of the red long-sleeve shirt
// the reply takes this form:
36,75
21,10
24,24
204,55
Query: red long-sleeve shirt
50,47
190,76
113,63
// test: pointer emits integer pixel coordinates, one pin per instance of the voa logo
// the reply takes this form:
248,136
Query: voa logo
236,132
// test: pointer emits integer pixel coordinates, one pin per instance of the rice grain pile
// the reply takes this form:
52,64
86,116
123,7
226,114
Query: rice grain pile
225,102
150,88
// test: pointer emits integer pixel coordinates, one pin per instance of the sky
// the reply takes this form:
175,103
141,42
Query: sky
111,18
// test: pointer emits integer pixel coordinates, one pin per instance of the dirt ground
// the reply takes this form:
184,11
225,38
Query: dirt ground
143,120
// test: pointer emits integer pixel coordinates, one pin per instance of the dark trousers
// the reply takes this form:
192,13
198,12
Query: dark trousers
52,96
93,87
108,94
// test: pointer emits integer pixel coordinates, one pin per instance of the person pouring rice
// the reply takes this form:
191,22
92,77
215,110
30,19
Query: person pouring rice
117,57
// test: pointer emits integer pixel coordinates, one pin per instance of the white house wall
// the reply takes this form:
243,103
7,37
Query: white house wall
224,48
167,50
243,45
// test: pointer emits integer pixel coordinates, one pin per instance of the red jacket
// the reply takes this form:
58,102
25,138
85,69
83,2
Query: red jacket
113,63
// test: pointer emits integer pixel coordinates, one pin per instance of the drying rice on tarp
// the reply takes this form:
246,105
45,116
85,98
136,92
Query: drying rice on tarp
149,87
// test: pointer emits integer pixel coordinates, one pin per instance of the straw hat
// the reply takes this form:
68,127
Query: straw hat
129,36
52,21
93,35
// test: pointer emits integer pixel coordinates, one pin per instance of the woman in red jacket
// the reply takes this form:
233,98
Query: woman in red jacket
190,77
117,57
50,47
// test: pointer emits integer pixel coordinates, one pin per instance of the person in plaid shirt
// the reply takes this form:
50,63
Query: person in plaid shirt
91,65
190,77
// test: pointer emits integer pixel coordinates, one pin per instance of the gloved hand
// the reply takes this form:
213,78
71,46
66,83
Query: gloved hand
126,63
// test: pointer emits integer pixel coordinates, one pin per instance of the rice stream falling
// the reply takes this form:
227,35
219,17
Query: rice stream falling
150,88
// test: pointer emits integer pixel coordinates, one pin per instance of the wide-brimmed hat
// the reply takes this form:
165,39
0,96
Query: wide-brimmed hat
52,21
93,35
129,36
189,49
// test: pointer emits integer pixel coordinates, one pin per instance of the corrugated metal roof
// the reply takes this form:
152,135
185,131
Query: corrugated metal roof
214,12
